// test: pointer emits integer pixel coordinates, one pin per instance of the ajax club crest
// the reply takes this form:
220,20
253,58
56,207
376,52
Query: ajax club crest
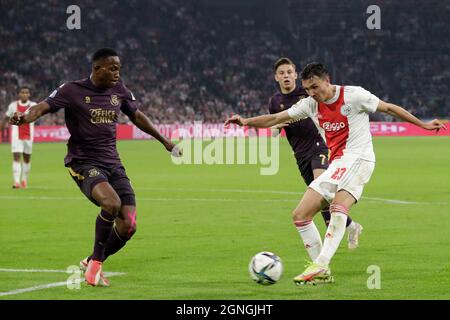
345,110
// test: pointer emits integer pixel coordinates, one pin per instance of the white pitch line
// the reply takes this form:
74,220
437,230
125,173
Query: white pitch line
32,270
225,190
190,190
282,192
52,271
39,198
215,190
152,199
390,201
44,286
35,288
401,201
219,199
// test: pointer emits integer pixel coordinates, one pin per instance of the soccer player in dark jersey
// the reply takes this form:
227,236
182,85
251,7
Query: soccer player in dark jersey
92,106
310,150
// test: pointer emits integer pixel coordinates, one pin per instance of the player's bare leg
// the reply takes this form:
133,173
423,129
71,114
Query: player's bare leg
110,204
311,203
17,169
26,166
326,209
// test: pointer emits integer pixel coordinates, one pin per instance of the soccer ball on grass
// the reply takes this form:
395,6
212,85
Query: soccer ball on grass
265,268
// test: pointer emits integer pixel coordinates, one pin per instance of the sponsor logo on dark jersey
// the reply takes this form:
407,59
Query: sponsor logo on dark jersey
99,115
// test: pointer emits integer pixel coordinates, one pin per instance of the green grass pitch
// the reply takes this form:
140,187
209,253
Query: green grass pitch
199,225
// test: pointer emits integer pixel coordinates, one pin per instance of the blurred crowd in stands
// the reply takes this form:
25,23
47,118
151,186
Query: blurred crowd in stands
187,60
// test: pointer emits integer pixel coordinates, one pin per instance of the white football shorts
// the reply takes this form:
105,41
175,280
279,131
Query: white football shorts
348,173
22,146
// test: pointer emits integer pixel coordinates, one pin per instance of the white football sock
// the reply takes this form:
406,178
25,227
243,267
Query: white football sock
310,236
334,235
17,170
25,170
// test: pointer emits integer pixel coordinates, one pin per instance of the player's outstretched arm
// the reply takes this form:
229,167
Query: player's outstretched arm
141,121
264,121
34,113
401,113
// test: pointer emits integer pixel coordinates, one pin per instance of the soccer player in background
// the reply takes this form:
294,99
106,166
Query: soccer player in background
21,139
310,150
92,106
342,113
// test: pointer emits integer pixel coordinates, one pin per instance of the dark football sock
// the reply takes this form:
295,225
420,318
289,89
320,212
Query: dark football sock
349,221
103,227
326,215
115,243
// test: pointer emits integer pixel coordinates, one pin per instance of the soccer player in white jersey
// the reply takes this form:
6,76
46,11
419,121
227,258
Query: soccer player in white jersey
341,113
21,139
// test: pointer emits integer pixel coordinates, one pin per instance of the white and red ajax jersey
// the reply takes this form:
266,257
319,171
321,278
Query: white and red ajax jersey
24,131
342,120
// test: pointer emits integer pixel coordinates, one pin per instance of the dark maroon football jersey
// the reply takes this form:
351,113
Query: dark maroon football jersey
302,135
91,117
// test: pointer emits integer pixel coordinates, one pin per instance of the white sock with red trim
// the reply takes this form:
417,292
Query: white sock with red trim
25,170
334,235
310,236
17,171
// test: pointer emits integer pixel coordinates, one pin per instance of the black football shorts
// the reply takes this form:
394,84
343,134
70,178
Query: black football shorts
87,176
306,165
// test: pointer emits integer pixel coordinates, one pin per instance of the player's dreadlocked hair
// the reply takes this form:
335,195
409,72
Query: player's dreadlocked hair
314,69
283,61
103,53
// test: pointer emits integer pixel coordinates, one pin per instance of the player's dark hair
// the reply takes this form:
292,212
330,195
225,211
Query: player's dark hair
314,69
103,53
281,62
24,88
